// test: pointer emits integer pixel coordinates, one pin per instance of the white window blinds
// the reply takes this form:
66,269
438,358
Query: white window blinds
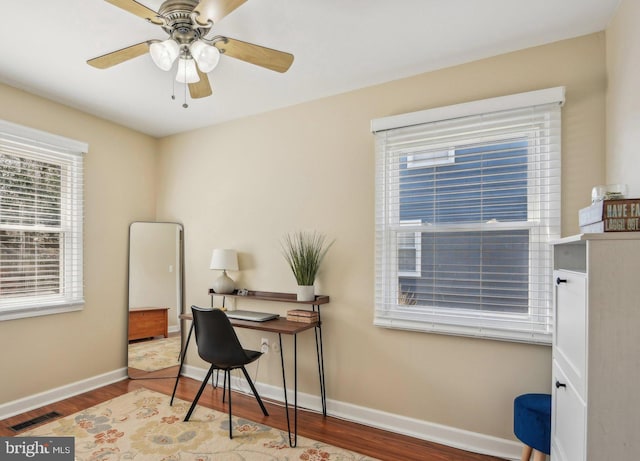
480,194
41,214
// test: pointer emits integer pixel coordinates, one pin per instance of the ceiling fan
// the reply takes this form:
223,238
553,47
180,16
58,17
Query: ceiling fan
191,41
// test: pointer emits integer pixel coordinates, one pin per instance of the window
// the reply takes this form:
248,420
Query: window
41,213
468,198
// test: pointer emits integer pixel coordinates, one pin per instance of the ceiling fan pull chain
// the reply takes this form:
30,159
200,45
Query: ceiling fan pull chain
185,105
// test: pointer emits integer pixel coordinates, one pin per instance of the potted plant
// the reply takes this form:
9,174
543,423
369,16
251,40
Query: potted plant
304,252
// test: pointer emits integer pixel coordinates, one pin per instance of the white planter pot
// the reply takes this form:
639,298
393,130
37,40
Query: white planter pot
306,293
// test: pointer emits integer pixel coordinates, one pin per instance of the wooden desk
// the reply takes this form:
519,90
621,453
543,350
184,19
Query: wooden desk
289,298
281,326
147,322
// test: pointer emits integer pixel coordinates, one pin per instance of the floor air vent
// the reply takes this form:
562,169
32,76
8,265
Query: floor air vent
36,420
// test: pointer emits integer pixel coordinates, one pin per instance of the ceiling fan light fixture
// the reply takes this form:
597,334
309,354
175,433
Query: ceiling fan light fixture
164,53
207,56
187,72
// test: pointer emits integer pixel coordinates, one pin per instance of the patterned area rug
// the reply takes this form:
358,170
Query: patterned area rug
155,354
141,425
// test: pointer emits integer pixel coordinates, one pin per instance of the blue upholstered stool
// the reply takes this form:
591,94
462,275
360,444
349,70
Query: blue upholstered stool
532,424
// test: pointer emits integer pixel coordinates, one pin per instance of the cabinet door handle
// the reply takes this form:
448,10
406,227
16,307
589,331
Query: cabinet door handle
559,281
559,385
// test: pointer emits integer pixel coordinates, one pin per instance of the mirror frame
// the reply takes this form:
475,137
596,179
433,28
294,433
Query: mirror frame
170,372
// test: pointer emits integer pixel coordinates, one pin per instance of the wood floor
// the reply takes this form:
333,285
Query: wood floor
363,439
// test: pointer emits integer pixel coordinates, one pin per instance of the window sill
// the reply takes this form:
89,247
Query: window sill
13,313
481,332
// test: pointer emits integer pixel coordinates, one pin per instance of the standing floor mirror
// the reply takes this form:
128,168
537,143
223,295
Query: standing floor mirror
156,299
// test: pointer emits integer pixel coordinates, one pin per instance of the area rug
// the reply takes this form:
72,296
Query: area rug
141,425
156,354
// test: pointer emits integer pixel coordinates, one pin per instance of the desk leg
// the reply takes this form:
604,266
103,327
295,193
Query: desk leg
320,355
292,441
182,357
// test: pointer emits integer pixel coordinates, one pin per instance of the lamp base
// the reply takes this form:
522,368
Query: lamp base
224,284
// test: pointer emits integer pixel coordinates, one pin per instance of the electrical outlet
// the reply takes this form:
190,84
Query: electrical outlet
264,345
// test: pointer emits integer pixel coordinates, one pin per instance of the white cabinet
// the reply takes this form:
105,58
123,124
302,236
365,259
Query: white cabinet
596,348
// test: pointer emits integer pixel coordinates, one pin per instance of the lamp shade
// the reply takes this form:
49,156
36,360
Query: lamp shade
207,56
187,72
164,53
224,260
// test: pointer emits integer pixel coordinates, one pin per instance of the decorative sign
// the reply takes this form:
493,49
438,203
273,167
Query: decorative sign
611,216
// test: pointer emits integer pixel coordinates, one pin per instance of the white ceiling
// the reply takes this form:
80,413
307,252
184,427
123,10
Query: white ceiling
339,45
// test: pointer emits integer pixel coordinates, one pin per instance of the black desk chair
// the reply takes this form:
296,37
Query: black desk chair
218,345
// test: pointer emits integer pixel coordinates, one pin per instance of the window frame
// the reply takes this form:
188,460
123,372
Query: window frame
417,245
432,318
68,154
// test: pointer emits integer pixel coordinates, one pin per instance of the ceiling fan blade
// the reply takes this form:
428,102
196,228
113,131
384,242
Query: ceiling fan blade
215,10
202,88
116,57
136,8
268,58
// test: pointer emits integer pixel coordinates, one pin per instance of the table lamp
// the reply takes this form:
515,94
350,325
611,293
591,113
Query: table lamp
224,260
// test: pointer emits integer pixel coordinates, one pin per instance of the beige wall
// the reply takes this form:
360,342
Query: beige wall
43,353
244,184
623,97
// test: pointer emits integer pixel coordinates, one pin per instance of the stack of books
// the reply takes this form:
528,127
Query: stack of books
301,315
620,215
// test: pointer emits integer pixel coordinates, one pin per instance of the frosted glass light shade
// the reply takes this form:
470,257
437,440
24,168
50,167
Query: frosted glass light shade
207,56
187,72
164,53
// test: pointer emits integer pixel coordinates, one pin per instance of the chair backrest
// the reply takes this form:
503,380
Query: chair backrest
216,339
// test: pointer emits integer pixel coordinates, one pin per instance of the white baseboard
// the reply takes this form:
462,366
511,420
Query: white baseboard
424,430
32,402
